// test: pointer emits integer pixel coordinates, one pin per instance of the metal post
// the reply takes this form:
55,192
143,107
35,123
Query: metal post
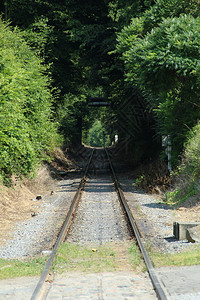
166,143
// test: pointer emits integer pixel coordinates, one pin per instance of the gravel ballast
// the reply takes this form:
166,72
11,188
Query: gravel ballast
39,233
99,218
155,219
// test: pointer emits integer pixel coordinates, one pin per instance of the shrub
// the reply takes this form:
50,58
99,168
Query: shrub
187,175
26,129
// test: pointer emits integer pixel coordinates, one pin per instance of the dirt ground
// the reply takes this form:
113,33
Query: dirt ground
19,202
189,211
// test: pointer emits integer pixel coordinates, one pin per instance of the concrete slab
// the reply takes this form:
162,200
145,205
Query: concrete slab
180,229
102,286
193,234
17,288
181,282
73,286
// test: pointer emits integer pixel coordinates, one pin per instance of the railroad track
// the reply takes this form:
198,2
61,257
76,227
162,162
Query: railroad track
40,292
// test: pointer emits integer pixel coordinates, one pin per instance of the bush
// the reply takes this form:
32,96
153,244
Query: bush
192,150
187,175
164,63
26,130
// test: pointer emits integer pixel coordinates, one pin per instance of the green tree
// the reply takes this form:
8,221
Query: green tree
163,62
26,129
97,135
77,39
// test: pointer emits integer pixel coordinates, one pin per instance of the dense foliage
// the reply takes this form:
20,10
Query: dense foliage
97,136
187,175
26,130
142,56
161,51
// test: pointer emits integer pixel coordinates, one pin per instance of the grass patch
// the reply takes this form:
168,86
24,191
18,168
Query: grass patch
107,258
73,257
136,259
17,268
186,258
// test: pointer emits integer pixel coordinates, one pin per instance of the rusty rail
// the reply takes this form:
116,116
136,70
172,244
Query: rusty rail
39,290
155,280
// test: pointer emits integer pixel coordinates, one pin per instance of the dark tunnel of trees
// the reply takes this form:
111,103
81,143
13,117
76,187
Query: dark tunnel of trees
141,56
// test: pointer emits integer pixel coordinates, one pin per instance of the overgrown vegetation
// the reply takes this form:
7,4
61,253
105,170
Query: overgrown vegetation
26,129
17,268
141,56
187,175
161,51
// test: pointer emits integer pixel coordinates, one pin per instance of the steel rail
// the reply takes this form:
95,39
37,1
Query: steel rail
155,281
38,292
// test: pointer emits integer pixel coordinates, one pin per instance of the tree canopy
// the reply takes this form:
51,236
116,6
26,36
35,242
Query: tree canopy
142,56
161,53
